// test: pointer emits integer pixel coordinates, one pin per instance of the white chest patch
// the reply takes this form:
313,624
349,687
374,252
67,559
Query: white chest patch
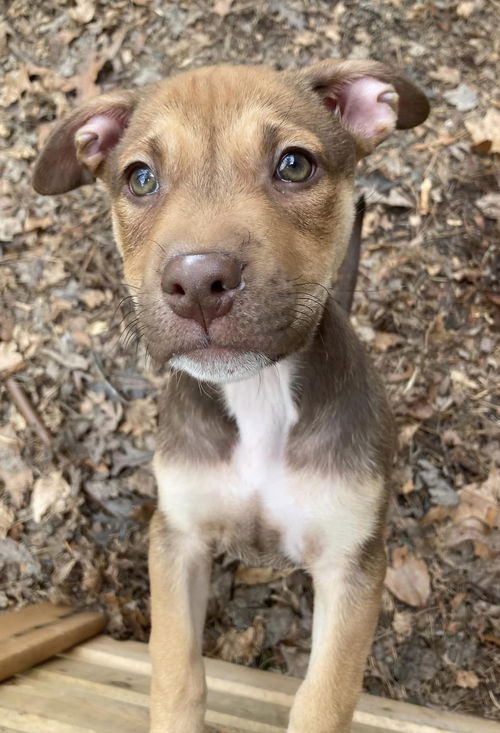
304,507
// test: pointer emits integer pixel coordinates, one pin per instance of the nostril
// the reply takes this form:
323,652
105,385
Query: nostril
217,287
177,289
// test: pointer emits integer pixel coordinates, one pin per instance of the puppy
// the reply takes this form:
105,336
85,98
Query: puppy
232,201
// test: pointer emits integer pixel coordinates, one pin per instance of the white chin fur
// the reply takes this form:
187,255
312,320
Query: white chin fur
220,370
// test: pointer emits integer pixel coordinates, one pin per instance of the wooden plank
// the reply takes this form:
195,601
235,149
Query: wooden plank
249,714
35,633
102,685
65,706
94,681
29,723
372,713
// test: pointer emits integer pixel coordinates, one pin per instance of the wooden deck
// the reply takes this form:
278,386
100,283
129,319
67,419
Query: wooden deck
101,686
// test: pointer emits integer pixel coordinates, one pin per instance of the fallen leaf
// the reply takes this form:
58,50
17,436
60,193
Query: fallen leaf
449,74
466,678
402,623
485,131
83,12
222,7
14,83
466,8
258,576
407,432
481,501
93,298
421,409
408,579
242,647
440,490
463,98
6,519
10,358
383,340
52,493
140,417
9,227
489,205
14,473
37,222
491,639
435,514
396,200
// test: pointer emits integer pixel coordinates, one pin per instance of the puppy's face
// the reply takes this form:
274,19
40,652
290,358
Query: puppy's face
231,194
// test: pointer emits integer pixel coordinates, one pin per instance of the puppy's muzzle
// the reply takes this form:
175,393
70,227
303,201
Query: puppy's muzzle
202,287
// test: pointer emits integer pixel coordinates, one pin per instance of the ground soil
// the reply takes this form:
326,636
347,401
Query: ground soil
76,492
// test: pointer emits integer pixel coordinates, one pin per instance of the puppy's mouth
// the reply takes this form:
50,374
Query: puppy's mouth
219,364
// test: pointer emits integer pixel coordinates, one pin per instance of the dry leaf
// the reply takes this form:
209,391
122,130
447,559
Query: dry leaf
14,473
384,340
6,519
402,623
140,417
485,131
222,7
448,74
16,483
93,298
463,98
481,501
466,8
50,493
489,205
435,514
242,647
408,579
257,576
421,409
466,678
84,11
14,83
395,199
10,358
407,432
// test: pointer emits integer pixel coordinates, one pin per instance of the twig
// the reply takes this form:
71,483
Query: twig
27,410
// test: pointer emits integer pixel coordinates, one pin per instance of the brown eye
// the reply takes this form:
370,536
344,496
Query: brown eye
142,181
295,167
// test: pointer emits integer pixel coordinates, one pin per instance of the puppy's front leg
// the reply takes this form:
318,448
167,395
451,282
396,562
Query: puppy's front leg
179,570
346,605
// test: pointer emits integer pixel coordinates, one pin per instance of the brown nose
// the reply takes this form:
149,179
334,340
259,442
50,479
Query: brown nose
201,287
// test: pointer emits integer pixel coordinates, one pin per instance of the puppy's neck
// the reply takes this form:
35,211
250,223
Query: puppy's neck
264,408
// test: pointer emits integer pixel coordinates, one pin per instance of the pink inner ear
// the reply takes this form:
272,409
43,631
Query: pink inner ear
368,106
97,136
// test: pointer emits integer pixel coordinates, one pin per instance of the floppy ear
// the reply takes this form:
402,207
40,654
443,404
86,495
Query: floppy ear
369,99
78,145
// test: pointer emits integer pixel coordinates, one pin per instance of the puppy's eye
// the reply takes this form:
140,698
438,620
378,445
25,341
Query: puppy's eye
295,166
142,181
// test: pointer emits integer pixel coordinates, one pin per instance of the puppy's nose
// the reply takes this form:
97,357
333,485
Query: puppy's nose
201,287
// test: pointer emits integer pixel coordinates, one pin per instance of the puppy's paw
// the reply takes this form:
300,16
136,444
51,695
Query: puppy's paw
185,725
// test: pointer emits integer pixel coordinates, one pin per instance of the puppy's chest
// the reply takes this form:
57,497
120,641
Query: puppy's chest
255,505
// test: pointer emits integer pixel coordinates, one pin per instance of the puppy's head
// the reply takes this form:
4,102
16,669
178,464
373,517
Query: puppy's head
231,192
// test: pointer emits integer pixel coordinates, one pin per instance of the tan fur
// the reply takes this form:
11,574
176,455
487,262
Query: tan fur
326,700
180,578
214,138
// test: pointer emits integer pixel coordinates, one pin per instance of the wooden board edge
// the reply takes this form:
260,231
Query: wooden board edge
51,632
372,712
